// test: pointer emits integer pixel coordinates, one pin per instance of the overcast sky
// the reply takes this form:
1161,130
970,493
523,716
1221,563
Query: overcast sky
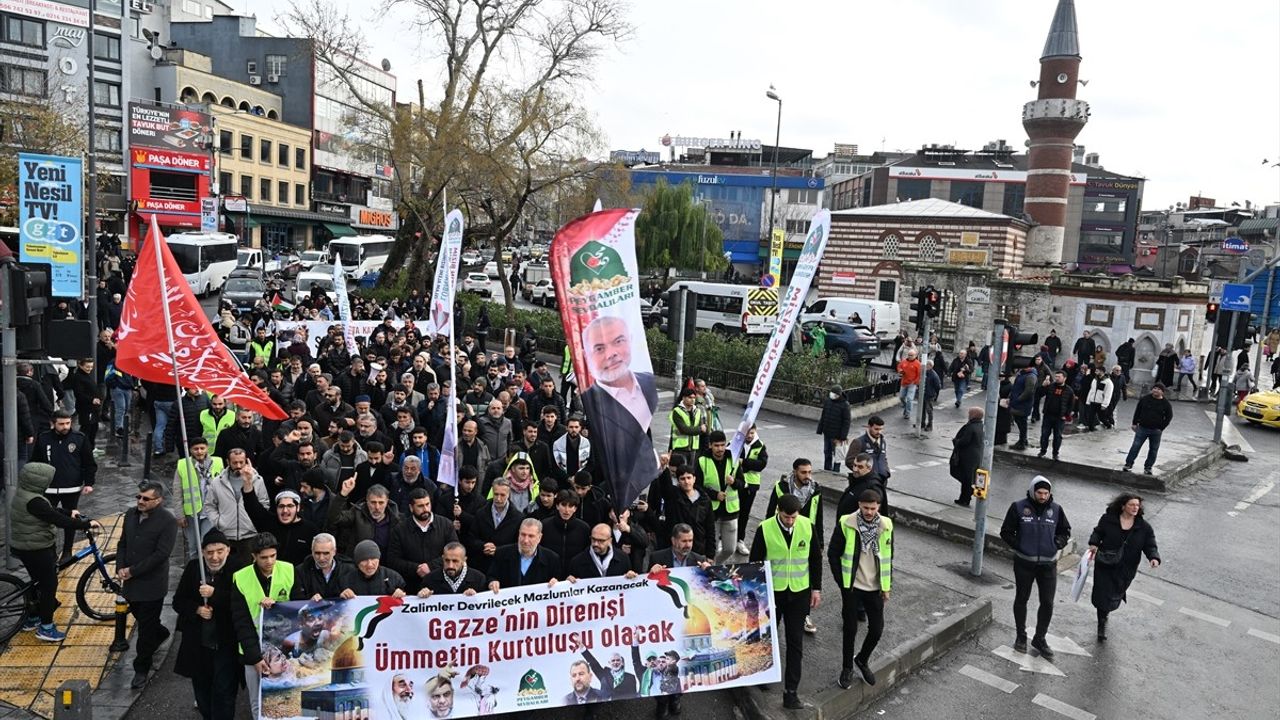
1184,93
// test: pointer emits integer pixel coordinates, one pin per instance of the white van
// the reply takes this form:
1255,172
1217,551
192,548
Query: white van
722,307
882,317
249,258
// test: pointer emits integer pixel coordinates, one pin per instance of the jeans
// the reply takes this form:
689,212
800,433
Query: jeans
907,396
1191,378
120,399
1151,436
164,410
926,414
727,529
791,609
1051,427
1045,577
42,568
962,387
870,602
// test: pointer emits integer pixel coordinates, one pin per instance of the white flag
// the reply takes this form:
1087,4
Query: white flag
344,305
441,323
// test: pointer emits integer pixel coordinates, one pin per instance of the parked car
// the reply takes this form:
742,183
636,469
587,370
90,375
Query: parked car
478,283
471,258
318,276
243,289
287,264
311,258
543,293
852,344
491,269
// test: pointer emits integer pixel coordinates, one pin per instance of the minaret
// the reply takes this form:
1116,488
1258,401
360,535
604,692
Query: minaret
1052,122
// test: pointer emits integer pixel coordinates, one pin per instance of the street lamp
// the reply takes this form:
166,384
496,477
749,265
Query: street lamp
777,137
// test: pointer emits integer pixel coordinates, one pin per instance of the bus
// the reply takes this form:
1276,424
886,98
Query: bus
722,307
361,255
206,259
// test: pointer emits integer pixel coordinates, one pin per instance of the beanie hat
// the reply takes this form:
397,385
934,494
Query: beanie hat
1041,482
367,550
363,398
288,495
214,537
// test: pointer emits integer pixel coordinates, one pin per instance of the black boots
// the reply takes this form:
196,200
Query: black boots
1102,627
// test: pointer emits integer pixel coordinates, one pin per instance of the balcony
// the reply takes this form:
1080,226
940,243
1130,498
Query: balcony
1056,109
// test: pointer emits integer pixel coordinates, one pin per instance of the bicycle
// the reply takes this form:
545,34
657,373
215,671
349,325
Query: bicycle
96,590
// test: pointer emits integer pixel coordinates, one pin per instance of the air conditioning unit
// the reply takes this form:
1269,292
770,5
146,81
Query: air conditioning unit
255,79
273,78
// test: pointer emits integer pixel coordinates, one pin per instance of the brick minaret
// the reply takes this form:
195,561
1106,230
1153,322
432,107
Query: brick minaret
1052,122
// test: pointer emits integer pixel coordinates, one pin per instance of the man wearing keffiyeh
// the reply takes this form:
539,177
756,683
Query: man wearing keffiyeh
861,558
457,578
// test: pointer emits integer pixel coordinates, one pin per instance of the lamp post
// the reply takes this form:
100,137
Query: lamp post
777,137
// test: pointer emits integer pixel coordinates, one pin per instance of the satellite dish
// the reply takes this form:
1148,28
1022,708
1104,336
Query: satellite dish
386,65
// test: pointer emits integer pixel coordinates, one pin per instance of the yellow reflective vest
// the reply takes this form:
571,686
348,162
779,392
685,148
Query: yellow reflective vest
692,419
853,549
246,581
789,563
714,484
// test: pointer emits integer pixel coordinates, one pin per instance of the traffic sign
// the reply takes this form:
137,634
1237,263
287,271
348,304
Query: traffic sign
1237,298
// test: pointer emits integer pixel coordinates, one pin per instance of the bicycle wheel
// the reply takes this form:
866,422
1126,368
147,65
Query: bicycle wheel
15,594
96,591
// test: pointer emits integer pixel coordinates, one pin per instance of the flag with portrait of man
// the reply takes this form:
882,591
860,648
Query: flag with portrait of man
593,266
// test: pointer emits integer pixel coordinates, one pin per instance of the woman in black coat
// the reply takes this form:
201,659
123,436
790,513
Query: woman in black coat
833,426
966,455
1123,534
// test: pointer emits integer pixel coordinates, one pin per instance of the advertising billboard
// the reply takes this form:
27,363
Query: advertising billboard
170,128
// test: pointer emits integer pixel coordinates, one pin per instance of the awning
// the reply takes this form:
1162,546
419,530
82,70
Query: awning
339,230
1257,226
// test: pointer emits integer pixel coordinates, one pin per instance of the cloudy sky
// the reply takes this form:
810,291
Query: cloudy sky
1184,93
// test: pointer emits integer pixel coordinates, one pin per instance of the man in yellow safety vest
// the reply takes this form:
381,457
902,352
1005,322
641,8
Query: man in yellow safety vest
688,424
755,458
258,586
861,558
787,541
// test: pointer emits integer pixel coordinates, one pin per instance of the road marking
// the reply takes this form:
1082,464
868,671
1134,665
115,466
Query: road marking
1139,595
1265,636
987,678
930,463
1255,495
907,466
1065,645
773,427
1027,662
1062,708
1230,435
1205,617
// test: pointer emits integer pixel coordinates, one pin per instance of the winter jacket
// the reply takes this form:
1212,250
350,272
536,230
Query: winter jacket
1099,391
1058,401
72,458
566,539
1036,532
1022,397
495,433
1153,414
834,421
224,508
484,532
144,549
192,652
352,523
294,538
309,582
411,546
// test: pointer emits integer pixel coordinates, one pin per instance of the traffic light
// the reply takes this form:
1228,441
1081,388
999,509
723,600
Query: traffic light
671,309
1211,312
918,308
932,302
28,294
1018,340
1222,331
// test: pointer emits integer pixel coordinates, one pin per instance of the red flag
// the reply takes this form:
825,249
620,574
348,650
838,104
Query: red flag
203,362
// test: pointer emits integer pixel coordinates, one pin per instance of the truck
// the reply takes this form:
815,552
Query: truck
530,275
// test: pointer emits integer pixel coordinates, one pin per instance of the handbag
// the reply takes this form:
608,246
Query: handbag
1112,557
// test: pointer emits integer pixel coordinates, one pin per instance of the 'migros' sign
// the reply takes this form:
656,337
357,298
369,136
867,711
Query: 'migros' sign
50,217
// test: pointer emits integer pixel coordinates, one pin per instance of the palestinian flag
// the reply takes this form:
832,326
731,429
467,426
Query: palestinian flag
279,303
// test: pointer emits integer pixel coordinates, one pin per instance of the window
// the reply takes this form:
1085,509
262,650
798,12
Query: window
1014,194
246,146
300,158
225,141
106,94
276,64
282,192
928,247
891,245
224,182
1108,241
23,81
107,140
173,185
23,31
887,290
251,67
264,190
106,47
910,189
282,154
967,193
246,186
797,227
803,197
299,194
192,7
264,150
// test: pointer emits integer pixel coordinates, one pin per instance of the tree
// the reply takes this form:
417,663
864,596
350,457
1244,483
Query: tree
673,232
503,127
35,126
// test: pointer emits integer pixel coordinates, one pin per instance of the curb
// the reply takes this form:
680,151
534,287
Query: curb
807,412
1160,483
765,703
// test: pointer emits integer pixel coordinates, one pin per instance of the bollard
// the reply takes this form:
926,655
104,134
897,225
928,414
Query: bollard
72,701
146,457
121,643
124,443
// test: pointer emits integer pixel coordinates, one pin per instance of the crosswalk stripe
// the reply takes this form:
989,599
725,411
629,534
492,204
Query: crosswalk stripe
1056,705
987,678
1205,617
1139,595
1265,636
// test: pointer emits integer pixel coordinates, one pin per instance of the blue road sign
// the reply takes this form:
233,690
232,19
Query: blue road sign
1236,297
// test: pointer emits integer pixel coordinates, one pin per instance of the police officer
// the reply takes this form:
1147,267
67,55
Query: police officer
801,484
787,540
755,458
861,558
687,424
1036,528
71,456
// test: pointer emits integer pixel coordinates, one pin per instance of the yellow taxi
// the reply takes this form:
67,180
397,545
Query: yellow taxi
1262,408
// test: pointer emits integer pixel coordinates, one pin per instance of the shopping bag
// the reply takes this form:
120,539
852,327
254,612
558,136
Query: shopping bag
1082,574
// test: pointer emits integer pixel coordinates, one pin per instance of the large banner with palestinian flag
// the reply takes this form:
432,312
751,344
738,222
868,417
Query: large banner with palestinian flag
593,266
455,656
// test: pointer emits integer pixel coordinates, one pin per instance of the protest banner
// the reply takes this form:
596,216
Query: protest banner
455,656
344,304
593,266
51,218
446,285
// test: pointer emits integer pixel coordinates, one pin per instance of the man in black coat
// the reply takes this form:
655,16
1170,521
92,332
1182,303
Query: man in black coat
496,524
680,554
319,577
564,532
142,562
417,543
966,455
862,477
39,403
454,577
602,559
285,522
833,426
207,654
243,434
543,565
71,455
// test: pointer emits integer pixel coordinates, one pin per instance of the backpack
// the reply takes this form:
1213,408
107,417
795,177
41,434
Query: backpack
117,380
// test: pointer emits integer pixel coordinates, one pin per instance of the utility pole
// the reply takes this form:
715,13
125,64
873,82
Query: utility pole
999,346
9,350
917,412
684,308
1228,366
90,258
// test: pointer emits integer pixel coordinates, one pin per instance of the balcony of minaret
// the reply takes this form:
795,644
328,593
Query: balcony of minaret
1061,109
